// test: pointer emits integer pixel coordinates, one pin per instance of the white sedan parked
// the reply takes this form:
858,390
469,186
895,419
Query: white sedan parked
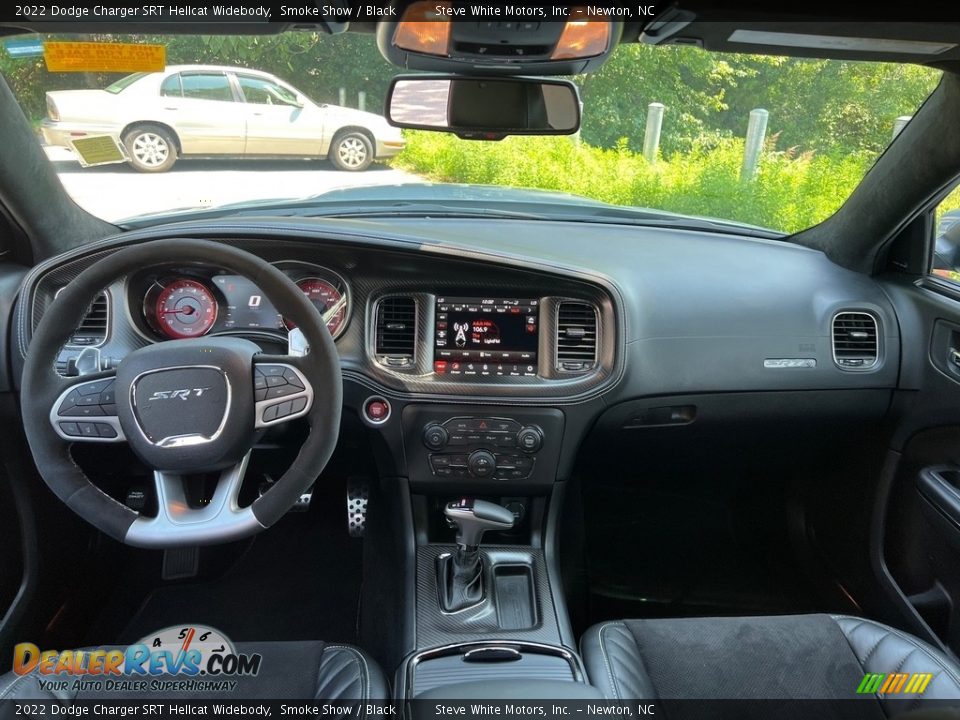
207,111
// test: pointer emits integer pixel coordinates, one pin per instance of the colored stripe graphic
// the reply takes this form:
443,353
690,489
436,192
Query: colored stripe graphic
894,683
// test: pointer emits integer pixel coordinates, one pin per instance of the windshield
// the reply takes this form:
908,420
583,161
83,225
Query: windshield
123,83
772,142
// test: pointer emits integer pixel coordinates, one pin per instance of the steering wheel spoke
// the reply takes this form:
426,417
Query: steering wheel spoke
86,410
281,390
219,520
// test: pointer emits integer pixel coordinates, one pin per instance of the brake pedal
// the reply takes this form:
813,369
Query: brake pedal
358,497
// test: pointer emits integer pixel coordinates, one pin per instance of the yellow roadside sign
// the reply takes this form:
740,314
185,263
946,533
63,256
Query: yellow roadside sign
98,150
104,57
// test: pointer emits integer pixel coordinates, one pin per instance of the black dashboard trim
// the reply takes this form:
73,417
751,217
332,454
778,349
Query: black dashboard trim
333,231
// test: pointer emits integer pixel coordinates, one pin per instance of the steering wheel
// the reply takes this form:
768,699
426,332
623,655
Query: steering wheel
183,406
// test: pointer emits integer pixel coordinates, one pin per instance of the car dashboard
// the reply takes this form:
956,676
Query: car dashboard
512,338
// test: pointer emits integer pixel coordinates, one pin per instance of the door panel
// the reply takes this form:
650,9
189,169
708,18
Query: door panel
918,541
206,116
277,121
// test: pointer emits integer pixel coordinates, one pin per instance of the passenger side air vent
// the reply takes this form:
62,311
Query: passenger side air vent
396,329
93,327
855,340
576,337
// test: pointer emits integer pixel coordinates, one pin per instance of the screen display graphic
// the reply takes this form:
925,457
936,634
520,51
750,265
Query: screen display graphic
479,338
246,306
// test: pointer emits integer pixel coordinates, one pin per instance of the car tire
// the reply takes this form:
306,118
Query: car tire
151,148
351,151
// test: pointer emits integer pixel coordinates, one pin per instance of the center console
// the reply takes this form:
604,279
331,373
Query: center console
490,616
494,374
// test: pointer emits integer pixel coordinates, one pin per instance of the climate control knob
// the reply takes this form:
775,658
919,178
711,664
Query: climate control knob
482,463
530,439
435,437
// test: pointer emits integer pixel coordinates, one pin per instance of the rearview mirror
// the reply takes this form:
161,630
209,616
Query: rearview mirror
484,108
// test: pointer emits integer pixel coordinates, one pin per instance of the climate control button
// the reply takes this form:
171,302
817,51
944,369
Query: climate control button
435,437
530,439
482,463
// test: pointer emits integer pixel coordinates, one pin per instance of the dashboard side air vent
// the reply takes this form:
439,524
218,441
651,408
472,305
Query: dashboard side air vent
576,336
855,340
396,331
93,328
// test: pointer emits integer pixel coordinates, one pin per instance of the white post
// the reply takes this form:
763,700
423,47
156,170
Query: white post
362,100
651,136
343,97
900,123
756,131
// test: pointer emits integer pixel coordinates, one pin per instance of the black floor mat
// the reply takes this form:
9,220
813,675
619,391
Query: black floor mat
656,553
300,580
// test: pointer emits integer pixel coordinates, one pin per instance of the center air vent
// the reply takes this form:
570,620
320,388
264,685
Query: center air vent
855,343
576,336
396,329
93,328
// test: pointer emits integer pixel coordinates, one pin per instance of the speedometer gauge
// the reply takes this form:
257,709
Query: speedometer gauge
184,309
331,302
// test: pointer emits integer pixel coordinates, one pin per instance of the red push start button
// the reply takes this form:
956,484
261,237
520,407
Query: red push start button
376,410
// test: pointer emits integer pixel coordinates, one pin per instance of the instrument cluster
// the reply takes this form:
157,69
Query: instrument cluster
178,302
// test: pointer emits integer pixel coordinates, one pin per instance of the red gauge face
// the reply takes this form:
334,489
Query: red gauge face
185,309
325,297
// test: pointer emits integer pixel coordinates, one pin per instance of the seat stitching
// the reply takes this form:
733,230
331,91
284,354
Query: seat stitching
364,670
606,662
905,658
9,688
873,649
912,641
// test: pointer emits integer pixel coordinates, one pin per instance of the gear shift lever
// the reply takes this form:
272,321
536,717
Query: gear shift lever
459,576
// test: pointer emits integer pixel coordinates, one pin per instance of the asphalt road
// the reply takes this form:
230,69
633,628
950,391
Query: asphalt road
116,192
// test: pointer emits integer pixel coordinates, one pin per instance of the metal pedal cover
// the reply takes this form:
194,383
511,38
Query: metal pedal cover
180,563
358,496
303,502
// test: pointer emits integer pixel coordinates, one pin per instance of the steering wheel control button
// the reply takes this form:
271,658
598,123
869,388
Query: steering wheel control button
291,377
270,413
70,428
82,411
376,411
282,391
435,437
105,431
530,439
271,384
298,405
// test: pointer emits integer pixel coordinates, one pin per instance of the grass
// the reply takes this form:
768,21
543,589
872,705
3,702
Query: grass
791,191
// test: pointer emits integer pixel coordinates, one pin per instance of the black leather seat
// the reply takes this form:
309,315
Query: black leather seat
288,670
779,657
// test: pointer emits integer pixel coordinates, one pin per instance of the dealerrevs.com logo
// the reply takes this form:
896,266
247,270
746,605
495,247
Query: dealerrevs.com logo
177,659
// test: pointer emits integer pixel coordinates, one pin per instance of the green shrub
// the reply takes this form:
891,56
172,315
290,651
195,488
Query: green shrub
790,192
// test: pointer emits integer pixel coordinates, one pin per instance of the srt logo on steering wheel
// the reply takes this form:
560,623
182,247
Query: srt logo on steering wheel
174,394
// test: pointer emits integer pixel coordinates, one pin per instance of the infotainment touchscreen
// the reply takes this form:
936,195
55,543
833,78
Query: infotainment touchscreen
486,337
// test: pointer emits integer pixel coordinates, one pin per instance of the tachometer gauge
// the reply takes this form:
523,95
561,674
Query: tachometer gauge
331,302
183,309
